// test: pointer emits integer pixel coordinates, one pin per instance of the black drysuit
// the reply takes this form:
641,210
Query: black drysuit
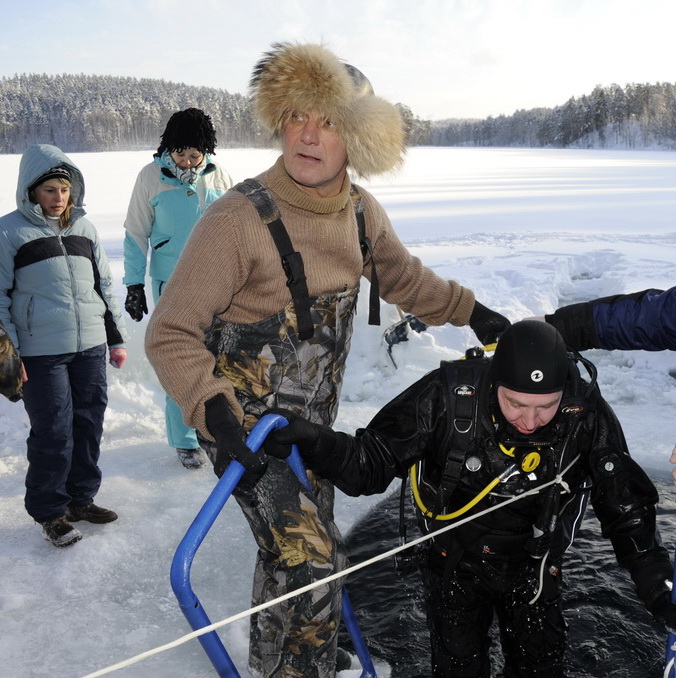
508,562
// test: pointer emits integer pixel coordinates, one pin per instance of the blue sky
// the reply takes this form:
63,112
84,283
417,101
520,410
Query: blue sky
442,58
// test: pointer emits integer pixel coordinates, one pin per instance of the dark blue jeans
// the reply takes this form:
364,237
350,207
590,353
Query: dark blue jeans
65,398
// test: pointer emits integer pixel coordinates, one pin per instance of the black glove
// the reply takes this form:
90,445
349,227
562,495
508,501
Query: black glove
664,610
299,431
135,303
487,325
229,438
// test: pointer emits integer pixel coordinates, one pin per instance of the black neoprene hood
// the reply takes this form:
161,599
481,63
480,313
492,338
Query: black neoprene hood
530,357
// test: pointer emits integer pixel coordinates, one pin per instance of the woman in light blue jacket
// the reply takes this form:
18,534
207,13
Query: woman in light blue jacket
170,195
58,306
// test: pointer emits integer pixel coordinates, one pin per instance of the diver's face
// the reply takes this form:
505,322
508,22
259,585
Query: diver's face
527,412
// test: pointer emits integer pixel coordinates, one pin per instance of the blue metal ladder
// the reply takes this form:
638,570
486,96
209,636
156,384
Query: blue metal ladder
182,562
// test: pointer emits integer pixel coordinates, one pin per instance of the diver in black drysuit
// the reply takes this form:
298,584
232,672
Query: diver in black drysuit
508,562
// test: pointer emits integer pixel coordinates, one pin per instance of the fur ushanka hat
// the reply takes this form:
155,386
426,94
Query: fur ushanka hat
309,78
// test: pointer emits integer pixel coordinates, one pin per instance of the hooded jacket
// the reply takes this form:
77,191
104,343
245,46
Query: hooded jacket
57,290
163,211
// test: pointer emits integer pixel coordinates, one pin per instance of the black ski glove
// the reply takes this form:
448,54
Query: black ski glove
664,610
229,438
310,438
299,431
135,303
488,325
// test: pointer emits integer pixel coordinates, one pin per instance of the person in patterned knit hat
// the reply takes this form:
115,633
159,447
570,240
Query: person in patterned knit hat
170,195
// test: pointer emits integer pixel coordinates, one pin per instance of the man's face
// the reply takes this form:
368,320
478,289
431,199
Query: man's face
527,412
314,154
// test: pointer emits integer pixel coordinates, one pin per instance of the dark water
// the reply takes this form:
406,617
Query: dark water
609,631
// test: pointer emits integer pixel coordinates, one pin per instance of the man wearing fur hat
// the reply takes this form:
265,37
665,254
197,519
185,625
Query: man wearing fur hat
258,314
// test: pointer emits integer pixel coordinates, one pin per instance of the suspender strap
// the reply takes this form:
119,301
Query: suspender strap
292,262
262,200
367,249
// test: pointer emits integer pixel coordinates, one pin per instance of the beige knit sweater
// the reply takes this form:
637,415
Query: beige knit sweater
230,267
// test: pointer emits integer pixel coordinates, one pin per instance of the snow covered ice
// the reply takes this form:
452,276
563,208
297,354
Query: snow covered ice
528,230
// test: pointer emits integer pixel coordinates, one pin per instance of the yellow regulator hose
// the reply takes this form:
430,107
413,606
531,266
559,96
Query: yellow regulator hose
472,502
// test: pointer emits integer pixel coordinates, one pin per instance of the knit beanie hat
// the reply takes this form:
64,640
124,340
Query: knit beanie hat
60,172
293,78
191,128
530,357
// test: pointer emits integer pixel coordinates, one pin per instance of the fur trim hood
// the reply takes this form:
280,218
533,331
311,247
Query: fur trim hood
302,78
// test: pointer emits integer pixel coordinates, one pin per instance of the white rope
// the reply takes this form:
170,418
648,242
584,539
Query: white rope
541,579
321,582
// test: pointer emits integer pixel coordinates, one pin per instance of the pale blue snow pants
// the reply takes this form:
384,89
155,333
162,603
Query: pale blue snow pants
178,434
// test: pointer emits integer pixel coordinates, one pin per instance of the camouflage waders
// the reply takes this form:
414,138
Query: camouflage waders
11,383
297,539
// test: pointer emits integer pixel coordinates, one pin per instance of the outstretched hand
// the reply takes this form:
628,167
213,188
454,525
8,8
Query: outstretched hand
299,431
488,325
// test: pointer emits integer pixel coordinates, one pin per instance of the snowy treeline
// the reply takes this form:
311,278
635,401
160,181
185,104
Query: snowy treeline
103,113
636,116
82,113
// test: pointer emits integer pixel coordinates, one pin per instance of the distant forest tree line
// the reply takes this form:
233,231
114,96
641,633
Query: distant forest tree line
636,116
82,113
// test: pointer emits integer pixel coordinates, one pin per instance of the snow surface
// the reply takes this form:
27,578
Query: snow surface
528,230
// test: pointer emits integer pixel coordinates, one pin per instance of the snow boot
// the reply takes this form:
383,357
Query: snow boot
60,532
191,458
91,513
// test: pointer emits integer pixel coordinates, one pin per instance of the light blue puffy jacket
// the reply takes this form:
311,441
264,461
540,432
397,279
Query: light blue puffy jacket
163,212
56,291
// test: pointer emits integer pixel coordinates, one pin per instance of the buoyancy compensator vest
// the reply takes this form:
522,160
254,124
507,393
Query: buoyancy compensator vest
434,477
476,438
